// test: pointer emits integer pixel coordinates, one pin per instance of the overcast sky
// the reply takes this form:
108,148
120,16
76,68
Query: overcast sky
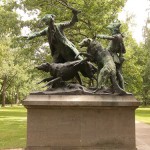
138,9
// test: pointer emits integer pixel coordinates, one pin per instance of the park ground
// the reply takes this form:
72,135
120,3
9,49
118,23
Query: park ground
13,125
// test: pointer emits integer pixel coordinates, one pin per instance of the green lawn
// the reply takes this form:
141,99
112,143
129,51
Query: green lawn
12,127
143,115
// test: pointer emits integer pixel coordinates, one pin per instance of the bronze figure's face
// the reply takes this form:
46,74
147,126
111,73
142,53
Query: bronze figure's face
48,18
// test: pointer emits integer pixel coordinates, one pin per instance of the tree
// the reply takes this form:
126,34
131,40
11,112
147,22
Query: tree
146,71
14,70
8,28
17,73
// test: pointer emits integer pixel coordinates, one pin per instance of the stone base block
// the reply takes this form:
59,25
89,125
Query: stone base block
80,122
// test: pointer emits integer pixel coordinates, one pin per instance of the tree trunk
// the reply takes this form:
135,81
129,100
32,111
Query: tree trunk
11,97
145,96
17,96
4,91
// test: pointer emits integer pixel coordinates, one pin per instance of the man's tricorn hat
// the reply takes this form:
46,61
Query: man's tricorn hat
115,25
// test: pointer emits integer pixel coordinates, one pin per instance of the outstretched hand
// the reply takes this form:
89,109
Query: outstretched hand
100,36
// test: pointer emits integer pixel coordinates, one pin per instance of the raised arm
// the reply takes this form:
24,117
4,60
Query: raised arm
73,20
105,37
36,34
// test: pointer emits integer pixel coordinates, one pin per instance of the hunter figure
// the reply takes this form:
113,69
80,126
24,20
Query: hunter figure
116,49
62,49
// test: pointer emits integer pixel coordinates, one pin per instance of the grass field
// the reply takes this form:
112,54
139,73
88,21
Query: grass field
12,127
143,115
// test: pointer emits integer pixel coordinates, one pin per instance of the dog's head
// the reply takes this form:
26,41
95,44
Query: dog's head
44,67
85,42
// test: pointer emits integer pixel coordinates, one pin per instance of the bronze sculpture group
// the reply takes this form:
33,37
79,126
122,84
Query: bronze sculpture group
68,61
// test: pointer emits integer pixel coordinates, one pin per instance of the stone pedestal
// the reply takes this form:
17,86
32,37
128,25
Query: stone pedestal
80,122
